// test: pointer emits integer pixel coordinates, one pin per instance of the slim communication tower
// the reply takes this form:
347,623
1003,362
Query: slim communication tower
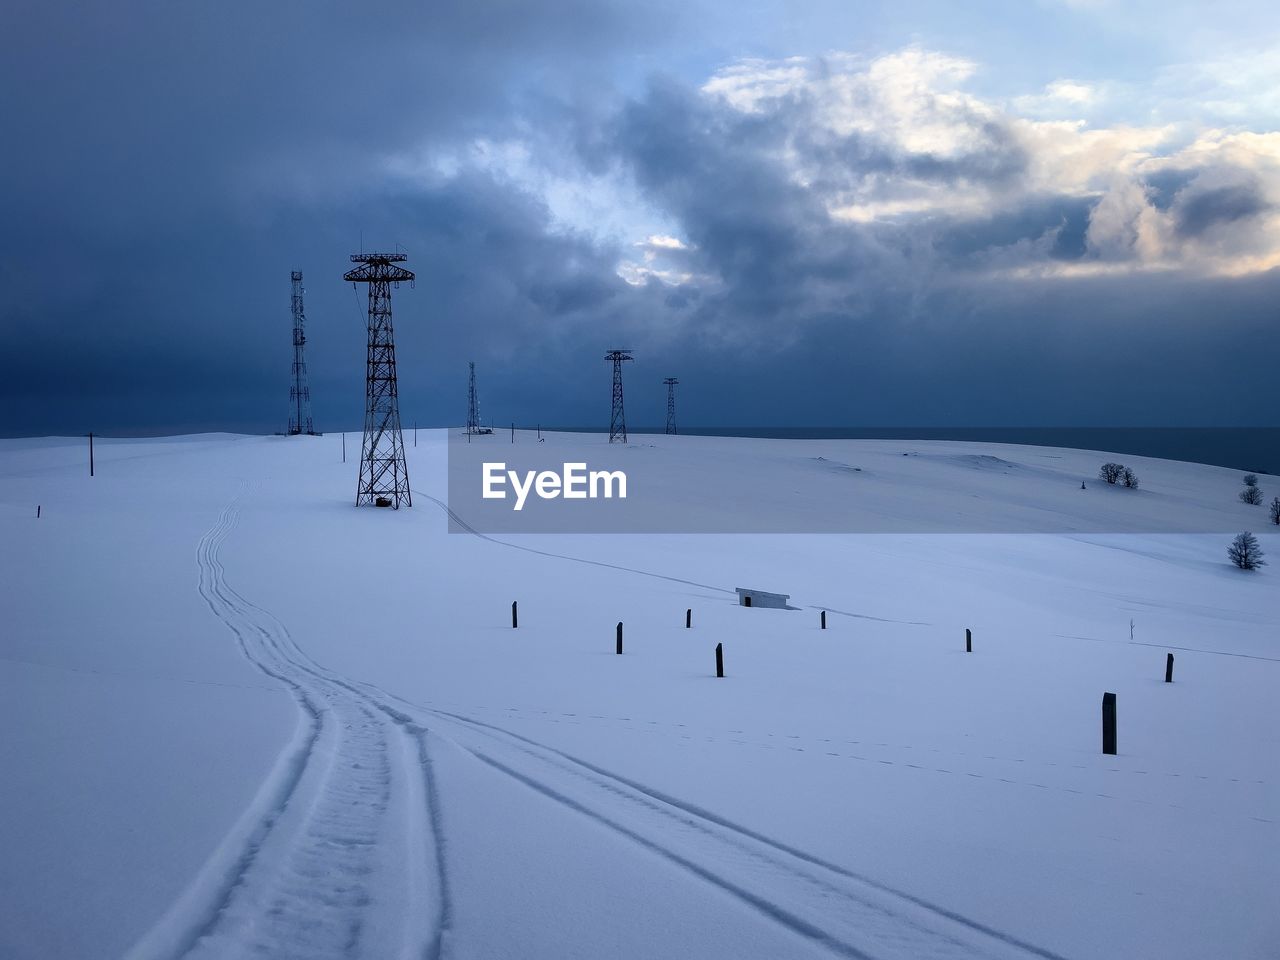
300,392
671,404
618,422
473,404
384,476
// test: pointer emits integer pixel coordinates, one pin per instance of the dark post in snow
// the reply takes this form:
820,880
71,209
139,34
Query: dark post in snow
719,659
968,640
514,621
415,433
91,453
1109,723
824,619
688,618
344,446
619,637
513,433
1168,669
37,511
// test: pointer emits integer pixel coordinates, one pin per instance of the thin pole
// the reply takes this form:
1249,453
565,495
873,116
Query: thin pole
91,453
344,446
513,433
415,433
1109,723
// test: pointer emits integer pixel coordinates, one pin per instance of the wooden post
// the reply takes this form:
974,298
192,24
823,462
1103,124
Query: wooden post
514,620
344,446
968,640
1168,669
824,619
513,433
415,433
619,637
1109,723
91,453
37,511
719,659
688,618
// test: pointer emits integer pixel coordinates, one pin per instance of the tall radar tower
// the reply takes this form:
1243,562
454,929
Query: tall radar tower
300,392
384,476
618,421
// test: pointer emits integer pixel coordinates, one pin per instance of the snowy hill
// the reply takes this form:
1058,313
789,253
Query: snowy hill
244,718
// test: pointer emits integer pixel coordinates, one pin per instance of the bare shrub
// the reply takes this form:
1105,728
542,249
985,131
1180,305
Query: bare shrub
1245,553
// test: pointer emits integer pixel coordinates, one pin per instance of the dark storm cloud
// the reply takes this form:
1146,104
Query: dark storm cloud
768,240
1198,209
893,323
166,166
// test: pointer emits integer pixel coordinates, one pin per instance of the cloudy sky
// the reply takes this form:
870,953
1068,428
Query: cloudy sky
1045,212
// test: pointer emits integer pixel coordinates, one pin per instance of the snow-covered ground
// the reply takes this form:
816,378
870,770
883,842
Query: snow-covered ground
243,718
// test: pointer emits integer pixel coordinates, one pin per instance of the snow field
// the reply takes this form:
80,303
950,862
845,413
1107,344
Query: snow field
245,716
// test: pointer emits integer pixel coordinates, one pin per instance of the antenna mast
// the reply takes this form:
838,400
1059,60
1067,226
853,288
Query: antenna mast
300,392
473,405
384,476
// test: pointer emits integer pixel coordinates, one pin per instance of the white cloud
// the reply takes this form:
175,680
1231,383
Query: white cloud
899,139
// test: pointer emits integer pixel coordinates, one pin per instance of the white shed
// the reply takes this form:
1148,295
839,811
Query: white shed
762,598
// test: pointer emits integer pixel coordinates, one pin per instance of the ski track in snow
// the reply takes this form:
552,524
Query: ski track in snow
343,859
342,856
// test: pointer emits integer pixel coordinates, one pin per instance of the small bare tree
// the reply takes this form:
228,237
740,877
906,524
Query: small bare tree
1250,479
1245,553
1111,472
1275,510
1251,496
1129,478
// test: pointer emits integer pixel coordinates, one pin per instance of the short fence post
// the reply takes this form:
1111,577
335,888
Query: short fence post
619,636
688,618
514,619
1109,723
1168,669
91,453
719,659
968,640
37,511
824,619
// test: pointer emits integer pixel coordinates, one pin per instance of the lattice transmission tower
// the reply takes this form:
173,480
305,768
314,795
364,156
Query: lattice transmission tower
384,476
618,422
671,404
300,392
